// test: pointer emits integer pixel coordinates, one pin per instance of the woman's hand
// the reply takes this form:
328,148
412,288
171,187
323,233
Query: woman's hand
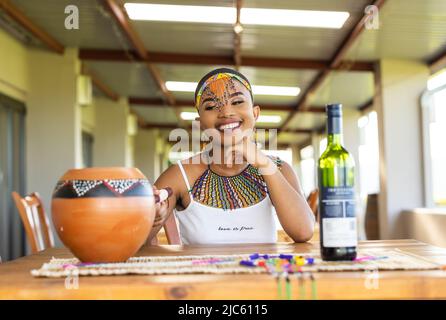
162,211
248,151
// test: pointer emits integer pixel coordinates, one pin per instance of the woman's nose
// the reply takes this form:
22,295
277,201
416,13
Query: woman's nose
225,109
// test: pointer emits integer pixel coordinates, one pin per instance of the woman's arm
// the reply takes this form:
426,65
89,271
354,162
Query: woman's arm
292,208
164,210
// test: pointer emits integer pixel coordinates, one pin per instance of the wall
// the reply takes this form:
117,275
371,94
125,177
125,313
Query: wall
13,67
111,143
147,157
351,143
53,121
427,225
399,84
88,115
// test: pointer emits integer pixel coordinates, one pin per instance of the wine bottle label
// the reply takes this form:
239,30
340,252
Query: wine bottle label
338,217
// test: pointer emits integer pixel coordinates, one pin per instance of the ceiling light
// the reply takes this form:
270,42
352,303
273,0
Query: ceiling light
294,18
188,115
275,91
256,90
162,12
238,28
227,15
181,86
269,118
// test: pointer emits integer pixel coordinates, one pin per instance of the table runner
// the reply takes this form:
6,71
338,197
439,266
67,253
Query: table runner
386,259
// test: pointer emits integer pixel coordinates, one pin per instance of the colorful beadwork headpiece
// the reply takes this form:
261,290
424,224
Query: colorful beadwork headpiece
216,80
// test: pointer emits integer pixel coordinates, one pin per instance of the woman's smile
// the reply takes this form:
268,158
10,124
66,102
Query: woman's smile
229,125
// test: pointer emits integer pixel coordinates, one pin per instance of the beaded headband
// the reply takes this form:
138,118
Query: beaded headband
219,74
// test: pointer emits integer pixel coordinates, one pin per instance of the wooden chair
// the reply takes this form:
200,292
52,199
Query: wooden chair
171,233
35,221
372,218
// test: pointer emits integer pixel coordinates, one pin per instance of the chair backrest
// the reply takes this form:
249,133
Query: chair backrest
171,230
35,221
313,201
371,218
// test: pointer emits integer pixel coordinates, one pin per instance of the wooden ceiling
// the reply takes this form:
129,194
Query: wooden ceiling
134,59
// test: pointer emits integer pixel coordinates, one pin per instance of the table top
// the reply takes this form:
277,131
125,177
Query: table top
16,281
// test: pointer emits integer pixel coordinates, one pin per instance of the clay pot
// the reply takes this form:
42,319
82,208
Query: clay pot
103,214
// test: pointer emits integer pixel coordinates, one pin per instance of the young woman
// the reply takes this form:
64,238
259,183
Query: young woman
229,193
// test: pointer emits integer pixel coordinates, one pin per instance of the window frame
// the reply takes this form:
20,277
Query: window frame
426,105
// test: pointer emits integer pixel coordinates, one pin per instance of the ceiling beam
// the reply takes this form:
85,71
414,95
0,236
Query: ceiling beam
157,102
123,22
335,61
99,84
305,143
300,131
437,62
352,36
203,59
20,18
368,104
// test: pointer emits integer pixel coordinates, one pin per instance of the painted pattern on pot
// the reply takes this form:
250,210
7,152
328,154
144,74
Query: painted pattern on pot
103,188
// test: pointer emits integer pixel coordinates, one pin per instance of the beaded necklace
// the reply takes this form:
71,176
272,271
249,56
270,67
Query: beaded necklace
231,192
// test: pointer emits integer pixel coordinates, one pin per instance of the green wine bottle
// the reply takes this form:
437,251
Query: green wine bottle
336,177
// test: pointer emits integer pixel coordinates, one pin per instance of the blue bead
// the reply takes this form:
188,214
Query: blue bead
310,260
254,256
247,263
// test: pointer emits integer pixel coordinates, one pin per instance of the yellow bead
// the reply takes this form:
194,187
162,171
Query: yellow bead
300,261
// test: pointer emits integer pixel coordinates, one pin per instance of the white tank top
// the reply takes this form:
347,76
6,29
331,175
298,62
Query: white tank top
202,224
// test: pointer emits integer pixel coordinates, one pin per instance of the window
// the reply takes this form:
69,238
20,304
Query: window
434,133
307,167
368,154
12,132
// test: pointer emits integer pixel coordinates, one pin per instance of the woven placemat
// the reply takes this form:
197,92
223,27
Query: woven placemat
386,259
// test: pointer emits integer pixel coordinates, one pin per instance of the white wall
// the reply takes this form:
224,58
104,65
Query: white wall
111,143
427,225
88,115
147,157
13,67
351,143
53,120
398,108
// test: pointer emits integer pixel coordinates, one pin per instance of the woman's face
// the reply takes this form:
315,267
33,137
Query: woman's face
226,111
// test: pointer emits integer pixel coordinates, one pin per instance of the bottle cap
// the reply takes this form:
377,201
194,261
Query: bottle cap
334,110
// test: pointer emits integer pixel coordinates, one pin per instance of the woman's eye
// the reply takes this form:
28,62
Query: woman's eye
209,107
237,102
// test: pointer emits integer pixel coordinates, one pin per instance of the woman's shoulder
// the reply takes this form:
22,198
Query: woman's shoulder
194,161
192,166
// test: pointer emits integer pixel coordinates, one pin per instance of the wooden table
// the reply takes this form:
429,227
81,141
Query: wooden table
17,283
